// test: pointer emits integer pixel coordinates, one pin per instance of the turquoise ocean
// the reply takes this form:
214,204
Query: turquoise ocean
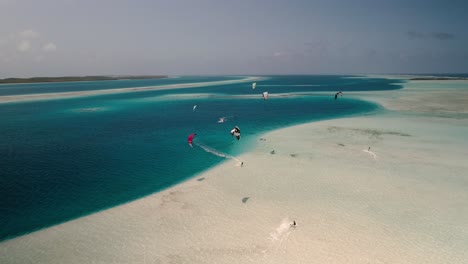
65,158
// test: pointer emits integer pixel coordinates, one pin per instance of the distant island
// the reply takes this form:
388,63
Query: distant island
435,78
80,78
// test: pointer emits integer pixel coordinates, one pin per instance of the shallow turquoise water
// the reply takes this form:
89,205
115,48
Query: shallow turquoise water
66,158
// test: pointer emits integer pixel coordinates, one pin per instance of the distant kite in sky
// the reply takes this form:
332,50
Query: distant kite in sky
338,93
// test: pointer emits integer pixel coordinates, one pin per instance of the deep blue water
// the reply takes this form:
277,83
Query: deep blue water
62,159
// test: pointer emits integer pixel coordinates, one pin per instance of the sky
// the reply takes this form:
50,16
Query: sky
242,37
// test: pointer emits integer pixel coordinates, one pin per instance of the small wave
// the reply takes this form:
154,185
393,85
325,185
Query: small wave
90,109
297,85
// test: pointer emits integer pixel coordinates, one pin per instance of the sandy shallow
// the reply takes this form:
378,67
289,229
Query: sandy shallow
402,201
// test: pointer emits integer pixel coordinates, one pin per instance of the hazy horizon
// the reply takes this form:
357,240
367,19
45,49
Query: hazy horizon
448,74
76,38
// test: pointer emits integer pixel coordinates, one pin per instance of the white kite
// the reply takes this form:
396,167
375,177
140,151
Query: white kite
236,132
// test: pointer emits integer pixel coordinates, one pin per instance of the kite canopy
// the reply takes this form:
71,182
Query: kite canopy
236,132
190,139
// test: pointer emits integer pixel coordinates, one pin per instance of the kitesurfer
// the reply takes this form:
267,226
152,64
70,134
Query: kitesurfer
293,224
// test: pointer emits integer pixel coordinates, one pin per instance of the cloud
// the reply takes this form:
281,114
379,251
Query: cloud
434,35
24,46
29,34
49,47
278,54
442,35
415,35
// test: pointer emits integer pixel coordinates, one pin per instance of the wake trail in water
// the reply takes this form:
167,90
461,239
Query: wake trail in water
282,231
371,153
217,152
277,237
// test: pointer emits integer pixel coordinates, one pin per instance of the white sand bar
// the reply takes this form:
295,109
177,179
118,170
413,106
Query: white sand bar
407,205
62,95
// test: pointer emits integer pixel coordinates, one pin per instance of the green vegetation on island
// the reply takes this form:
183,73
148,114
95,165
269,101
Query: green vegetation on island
79,78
